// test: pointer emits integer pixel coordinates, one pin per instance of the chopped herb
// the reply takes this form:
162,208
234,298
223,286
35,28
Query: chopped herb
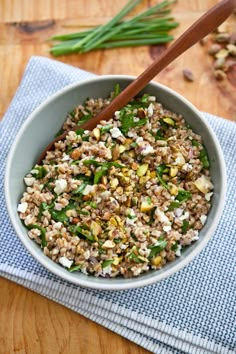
98,175
44,206
127,121
133,145
102,164
85,118
173,205
158,247
183,196
149,200
84,178
174,247
160,170
117,240
39,172
43,233
107,262
204,158
117,91
92,204
80,189
83,212
105,129
133,257
81,231
203,154
185,226
159,135
80,131
196,143
163,125
145,98
75,267
60,215
69,149
152,216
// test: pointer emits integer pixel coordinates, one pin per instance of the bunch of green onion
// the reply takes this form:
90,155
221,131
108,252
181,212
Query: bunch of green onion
149,27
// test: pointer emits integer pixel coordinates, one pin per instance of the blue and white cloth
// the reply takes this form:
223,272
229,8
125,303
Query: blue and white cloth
193,311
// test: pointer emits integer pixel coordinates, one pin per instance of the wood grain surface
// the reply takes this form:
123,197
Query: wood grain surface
30,323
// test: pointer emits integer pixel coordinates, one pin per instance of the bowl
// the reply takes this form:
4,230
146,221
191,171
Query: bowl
39,129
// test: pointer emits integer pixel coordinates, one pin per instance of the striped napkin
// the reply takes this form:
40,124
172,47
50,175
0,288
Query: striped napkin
193,311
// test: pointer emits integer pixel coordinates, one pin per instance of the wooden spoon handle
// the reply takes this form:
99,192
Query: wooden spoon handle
199,29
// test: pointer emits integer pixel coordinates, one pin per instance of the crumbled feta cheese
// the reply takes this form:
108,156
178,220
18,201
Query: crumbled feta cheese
60,186
152,99
184,216
167,228
58,206
156,233
34,172
115,132
139,139
150,110
65,157
29,181
179,161
106,270
136,119
195,237
178,212
162,217
105,195
108,244
65,262
203,219
187,167
57,225
123,247
89,189
178,251
117,114
130,221
208,196
147,150
84,271
22,207
131,134
87,254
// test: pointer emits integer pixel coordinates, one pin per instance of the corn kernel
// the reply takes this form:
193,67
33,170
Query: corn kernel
173,189
141,171
157,261
173,171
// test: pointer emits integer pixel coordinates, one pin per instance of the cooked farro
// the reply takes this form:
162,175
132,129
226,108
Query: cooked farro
122,199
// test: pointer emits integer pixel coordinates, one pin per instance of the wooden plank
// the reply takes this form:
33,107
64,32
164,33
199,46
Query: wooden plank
32,324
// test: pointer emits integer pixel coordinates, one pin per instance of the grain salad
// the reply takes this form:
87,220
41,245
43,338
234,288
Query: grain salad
122,199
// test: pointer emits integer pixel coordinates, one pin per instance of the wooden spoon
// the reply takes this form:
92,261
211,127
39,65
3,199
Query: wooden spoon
198,30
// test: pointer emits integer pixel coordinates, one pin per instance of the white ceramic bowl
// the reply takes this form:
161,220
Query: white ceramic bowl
39,129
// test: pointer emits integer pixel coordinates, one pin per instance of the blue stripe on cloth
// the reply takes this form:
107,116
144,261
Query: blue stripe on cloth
192,311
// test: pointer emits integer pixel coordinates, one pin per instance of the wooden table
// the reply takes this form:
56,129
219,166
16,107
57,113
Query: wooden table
30,323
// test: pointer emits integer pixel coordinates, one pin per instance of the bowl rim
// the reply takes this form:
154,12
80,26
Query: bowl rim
137,282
